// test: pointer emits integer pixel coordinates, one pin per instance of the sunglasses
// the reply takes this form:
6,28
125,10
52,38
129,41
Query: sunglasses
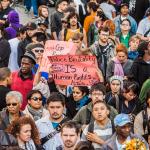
36,98
39,50
13,104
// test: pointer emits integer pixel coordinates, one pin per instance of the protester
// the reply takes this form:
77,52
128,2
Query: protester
56,24
144,27
24,77
13,61
12,111
91,9
96,132
14,25
123,134
141,66
125,34
119,65
5,4
133,47
108,9
31,29
34,108
73,27
77,100
141,123
49,126
93,32
70,133
4,57
26,133
113,96
124,14
84,115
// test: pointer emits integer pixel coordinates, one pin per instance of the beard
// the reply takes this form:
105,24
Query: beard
68,144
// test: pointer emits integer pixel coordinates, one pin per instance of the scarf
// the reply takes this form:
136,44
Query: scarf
118,70
37,114
82,102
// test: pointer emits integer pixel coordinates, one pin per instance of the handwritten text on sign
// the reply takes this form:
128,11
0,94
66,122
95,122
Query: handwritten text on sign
52,48
74,70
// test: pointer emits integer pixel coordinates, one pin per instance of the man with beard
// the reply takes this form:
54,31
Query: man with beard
123,133
70,134
49,126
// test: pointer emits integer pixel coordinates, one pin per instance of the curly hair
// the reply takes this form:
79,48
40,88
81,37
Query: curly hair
16,125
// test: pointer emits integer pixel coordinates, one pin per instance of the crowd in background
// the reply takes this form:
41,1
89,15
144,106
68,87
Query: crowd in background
37,114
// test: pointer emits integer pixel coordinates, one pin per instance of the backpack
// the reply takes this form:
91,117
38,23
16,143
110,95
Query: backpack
146,124
66,30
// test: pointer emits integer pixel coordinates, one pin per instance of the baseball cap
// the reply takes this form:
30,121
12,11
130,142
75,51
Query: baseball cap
121,119
30,55
31,26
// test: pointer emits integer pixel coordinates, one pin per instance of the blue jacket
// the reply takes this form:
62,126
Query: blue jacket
117,21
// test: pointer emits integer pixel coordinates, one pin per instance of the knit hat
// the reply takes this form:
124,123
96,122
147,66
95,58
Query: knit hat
30,55
31,46
13,19
119,78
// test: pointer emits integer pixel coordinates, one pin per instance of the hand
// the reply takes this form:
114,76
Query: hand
2,21
93,137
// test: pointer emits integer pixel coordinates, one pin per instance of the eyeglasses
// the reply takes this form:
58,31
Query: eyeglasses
36,98
39,50
13,104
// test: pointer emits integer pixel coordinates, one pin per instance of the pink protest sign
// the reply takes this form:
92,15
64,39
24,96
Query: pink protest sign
74,70
53,48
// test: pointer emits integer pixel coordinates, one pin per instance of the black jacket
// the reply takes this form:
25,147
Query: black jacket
4,53
4,13
140,71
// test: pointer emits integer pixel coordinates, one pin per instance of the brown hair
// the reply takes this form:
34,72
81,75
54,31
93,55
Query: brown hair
77,36
110,24
40,10
16,125
134,37
121,48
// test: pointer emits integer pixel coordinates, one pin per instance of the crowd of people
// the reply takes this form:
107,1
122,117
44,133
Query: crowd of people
112,114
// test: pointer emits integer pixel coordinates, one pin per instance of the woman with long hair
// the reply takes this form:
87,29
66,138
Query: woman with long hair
26,133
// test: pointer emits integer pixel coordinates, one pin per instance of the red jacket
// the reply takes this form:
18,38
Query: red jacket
22,85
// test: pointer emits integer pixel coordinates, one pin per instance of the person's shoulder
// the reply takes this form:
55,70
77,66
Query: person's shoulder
43,120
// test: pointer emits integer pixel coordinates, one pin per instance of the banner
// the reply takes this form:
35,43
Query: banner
53,48
74,70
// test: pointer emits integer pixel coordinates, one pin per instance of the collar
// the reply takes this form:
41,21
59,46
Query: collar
30,75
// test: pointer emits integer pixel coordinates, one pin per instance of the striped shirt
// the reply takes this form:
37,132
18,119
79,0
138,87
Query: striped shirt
104,133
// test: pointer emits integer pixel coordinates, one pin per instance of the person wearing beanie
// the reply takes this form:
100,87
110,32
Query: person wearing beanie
14,25
24,77
140,69
56,24
112,97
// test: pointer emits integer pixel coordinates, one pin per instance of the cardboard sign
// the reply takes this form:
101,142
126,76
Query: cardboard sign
74,70
53,48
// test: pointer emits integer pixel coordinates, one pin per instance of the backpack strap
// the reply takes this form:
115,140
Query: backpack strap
113,126
88,116
81,30
52,134
146,33
145,119
65,34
